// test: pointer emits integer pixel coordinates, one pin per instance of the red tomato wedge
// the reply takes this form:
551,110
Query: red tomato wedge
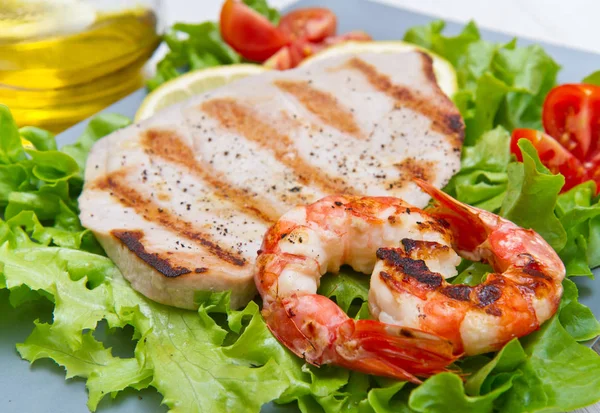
571,115
311,24
249,33
552,154
286,58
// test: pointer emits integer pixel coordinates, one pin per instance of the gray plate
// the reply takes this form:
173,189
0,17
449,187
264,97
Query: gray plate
42,388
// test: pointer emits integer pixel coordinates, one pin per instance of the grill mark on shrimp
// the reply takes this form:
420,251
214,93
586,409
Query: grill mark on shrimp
533,269
488,294
152,212
416,269
423,249
390,281
168,146
443,119
409,244
458,292
322,104
246,122
133,241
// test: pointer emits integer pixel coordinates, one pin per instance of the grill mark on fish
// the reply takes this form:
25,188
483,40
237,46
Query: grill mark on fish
152,212
322,104
132,240
427,67
236,117
168,146
443,119
411,168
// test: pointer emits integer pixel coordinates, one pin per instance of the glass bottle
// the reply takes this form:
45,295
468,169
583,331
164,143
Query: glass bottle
63,60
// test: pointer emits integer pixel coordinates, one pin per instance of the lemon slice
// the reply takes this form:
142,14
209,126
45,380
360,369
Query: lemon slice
443,70
191,84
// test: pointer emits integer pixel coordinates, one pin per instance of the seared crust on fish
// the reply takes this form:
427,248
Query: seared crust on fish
181,201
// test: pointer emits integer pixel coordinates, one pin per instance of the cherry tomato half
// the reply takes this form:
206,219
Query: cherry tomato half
249,33
552,154
571,115
311,24
286,58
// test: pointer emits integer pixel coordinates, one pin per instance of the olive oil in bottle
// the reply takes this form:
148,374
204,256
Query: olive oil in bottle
63,60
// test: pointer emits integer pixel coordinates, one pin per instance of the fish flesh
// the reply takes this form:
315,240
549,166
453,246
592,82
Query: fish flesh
181,201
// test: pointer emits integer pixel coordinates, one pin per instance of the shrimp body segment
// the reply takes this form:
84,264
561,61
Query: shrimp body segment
523,291
309,241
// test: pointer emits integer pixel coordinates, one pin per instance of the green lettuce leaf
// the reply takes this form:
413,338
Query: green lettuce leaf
579,213
577,319
178,352
11,148
593,78
531,195
263,8
41,139
558,375
12,179
346,287
52,166
193,47
388,398
506,361
106,374
473,274
445,392
498,84
482,180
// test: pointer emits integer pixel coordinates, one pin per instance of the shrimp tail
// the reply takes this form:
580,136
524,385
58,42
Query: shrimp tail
447,202
471,226
315,328
393,351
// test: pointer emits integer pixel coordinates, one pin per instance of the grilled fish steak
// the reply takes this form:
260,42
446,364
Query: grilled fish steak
181,201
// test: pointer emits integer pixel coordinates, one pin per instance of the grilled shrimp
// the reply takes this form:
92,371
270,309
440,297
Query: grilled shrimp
423,322
309,241
523,291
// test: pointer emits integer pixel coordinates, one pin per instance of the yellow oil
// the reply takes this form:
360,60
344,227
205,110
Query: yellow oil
56,70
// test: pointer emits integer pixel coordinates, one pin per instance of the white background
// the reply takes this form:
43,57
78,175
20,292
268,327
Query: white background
574,23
